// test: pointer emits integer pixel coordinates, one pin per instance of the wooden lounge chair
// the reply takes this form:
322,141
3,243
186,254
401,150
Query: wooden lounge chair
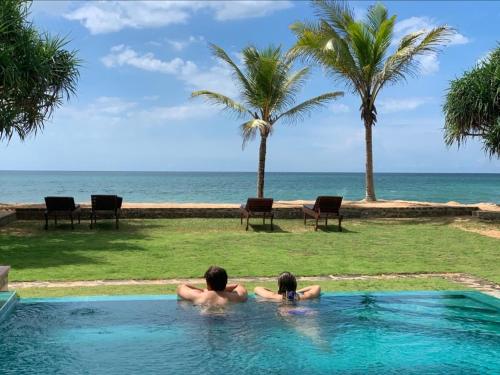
324,208
110,205
61,206
257,207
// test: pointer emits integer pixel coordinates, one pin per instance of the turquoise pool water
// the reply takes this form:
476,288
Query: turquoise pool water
431,333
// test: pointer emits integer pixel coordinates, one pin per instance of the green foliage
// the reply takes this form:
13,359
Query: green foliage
357,52
472,106
36,72
268,90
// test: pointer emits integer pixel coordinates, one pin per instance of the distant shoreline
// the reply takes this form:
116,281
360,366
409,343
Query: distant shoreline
239,172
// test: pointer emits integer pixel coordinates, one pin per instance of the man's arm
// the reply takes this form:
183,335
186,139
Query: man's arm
309,292
238,293
188,292
267,293
230,287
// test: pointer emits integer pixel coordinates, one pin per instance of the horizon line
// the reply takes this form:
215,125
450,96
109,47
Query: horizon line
252,172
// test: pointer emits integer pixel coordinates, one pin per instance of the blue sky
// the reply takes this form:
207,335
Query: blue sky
142,60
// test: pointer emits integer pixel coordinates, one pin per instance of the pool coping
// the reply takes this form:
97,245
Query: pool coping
464,279
474,295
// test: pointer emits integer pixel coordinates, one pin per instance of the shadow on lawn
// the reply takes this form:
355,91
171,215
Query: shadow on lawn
333,228
62,246
441,221
267,228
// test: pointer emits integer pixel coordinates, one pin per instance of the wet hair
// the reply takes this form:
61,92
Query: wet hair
216,278
287,283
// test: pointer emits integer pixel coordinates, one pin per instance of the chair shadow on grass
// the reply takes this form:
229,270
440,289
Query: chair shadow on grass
331,228
267,228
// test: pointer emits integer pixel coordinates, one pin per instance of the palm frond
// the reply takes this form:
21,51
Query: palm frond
376,16
403,62
222,100
222,55
250,129
337,13
301,110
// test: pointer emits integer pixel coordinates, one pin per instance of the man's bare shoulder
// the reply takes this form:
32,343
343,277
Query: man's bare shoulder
211,298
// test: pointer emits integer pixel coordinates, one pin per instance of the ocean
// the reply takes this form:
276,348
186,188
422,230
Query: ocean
235,187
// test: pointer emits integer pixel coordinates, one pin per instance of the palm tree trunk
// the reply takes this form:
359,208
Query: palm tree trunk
369,184
262,166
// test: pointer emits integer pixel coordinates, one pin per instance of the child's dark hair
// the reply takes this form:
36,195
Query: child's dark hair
287,286
216,278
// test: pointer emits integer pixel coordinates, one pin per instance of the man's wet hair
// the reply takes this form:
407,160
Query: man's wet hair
216,278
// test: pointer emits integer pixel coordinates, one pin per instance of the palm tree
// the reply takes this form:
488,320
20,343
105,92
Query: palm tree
357,52
268,90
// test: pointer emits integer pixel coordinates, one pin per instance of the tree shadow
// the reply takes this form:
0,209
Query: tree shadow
28,246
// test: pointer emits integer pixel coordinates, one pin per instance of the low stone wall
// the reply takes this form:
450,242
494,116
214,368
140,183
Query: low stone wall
488,215
35,213
7,217
4,278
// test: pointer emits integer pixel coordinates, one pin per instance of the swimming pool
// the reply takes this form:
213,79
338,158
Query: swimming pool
418,332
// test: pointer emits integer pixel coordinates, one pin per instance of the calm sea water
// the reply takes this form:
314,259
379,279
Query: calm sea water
412,333
234,187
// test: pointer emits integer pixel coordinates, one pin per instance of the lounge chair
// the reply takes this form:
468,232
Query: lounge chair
324,208
257,207
61,206
110,205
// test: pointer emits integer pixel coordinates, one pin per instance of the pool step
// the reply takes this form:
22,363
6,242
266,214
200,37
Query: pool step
7,217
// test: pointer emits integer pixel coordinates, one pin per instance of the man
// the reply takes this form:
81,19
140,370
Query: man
217,293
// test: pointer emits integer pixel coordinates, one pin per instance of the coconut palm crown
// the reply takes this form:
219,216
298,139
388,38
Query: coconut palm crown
268,88
358,52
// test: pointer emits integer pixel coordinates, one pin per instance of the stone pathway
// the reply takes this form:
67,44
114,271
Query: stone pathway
460,278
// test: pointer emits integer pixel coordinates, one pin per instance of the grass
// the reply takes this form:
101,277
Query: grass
434,283
157,249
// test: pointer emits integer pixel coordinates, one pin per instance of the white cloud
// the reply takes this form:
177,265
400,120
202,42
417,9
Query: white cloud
117,111
390,105
230,10
429,63
339,108
122,55
217,77
111,105
179,45
111,16
414,24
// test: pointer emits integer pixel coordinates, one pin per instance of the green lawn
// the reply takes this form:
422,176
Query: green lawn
151,249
